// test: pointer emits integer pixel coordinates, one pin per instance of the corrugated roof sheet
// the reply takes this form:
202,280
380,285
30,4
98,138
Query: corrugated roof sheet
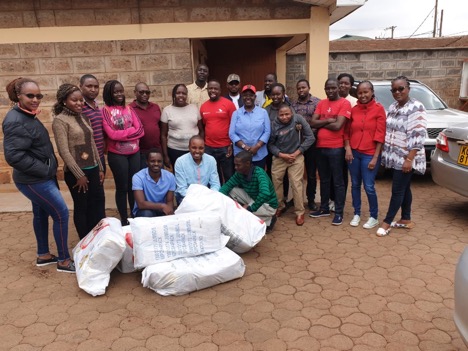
373,45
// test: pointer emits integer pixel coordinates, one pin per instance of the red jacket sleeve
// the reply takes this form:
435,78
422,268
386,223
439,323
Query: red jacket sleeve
381,124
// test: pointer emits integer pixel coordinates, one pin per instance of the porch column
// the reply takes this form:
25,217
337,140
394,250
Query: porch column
317,50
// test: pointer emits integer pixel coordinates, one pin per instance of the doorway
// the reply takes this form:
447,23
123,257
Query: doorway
250,58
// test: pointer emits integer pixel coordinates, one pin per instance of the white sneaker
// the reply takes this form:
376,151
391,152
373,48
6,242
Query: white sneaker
331,206
355,221
371,223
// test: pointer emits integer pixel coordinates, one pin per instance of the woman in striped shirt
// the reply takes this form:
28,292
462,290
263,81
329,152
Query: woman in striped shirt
403,152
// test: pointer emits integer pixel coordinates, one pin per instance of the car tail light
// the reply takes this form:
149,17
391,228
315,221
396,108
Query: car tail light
442,143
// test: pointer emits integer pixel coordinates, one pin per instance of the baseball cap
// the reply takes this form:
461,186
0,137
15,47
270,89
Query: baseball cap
233,77
248,87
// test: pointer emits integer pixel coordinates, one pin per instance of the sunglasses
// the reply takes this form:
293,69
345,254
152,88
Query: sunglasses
143,92
400,89
32,96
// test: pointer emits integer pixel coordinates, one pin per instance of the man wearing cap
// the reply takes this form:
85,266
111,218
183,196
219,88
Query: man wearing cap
198,90
216,116
233,86
250,128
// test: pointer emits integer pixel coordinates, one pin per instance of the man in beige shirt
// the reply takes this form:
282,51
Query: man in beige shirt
198,91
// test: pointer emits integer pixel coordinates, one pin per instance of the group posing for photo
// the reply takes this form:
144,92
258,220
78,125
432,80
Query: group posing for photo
253,146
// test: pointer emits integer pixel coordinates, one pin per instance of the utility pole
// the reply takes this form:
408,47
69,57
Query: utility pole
392,28
435,20
441,20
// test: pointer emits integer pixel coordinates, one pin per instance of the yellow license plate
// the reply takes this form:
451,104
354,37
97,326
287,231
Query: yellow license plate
463,156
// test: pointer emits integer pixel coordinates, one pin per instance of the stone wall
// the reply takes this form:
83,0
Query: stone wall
51,13
439,69
160,63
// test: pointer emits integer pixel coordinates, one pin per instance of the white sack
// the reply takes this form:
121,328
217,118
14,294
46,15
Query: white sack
243,227
126,263
166,238
97,254
189,274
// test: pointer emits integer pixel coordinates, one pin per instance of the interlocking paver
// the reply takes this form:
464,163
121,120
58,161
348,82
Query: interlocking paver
315,287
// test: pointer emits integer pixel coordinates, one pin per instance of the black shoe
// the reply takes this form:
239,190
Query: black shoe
269,229
40,262
337,220
313,207
319,213
69,268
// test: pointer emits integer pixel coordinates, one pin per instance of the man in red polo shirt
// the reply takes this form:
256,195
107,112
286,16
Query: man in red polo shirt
216,116
330,118
150,116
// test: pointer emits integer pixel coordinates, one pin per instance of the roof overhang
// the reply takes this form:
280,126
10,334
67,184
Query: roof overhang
337,9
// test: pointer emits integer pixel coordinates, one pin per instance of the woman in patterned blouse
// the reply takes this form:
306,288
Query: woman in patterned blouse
403,152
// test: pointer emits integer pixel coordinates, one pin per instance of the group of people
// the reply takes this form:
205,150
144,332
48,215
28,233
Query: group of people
253,146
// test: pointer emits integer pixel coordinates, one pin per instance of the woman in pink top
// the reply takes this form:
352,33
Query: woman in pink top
364,136
124,130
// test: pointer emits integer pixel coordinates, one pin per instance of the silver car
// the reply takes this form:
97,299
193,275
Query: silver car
439,115
461,296
449,161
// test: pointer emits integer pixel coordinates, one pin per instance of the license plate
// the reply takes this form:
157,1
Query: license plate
463,156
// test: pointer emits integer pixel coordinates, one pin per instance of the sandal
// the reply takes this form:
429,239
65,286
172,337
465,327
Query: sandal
403,225
41,262
383,232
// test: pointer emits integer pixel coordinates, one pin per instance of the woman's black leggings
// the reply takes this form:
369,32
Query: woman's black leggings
123,168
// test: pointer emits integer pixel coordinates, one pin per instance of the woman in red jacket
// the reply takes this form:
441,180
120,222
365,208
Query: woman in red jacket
364,136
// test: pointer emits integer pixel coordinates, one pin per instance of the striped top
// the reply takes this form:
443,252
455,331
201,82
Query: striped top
95,117
406,131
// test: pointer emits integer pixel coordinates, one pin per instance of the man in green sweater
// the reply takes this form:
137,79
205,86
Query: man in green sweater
251,187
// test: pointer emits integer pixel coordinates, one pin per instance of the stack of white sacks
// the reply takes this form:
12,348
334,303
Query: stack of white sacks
194,249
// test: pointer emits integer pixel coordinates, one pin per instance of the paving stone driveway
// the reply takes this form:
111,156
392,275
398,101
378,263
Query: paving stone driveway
315,287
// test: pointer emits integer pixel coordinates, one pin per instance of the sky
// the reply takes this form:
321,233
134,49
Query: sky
371,19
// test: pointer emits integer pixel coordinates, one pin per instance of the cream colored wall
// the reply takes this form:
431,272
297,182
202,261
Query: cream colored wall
318,50
316,29
225,29
130,53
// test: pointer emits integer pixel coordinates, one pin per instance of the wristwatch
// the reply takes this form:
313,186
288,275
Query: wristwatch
243,146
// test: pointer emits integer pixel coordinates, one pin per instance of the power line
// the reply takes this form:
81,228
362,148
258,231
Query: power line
422,22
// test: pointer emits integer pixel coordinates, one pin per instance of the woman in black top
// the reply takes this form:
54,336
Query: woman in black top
28,150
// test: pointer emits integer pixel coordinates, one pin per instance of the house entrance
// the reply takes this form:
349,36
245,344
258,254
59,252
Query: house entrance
250,58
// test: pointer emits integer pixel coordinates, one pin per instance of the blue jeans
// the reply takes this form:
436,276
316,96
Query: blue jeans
47,201
225,164
401,196
360,173
331,166
149,213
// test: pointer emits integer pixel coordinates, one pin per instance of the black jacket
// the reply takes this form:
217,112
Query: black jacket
27,148
241,102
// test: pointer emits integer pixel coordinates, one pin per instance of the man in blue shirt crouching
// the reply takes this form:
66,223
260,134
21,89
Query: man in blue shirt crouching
153,188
